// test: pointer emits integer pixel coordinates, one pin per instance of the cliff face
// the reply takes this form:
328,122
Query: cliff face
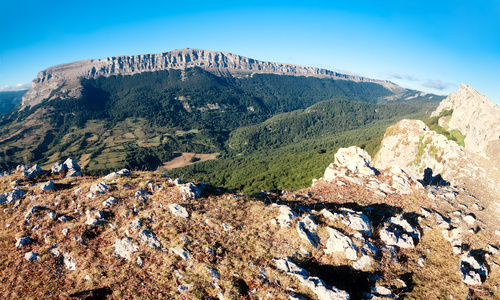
477,117
65,78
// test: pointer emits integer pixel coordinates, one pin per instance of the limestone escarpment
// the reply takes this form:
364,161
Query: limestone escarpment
65,77
476,116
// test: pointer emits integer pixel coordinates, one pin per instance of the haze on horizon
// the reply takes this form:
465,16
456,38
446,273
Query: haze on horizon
431,46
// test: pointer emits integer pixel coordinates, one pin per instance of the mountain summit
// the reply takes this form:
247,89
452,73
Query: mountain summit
474,115
65,79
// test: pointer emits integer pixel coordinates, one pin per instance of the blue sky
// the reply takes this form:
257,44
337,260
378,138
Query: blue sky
430,46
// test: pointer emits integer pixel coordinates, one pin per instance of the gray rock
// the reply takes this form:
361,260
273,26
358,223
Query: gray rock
309,223
338,242
69,262
398,232
150,239
12,196
125,247
355,160
58,168
110,201
362,263
307,235
190,191
213,274
21,242
181,253
33,172
96,218
135,224
287,265
321,290
48,186
99,188
358,222
142,195
184,288
32,256
178,211
286,216
473,272
139,262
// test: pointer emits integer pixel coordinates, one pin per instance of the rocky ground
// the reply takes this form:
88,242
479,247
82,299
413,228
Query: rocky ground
356,233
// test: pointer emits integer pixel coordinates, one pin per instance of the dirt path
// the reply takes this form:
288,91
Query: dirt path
184,159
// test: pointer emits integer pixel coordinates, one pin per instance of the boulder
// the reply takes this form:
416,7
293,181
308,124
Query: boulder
99,188
142,195
21,242
110,201
322,290
286,216
359,222
12,196
32,256
181,253
69,262
124,247
58,168
178,211
287,265
190,191
362,263
355,160
339,242
150,239
135,224
33,172
48,186
398,232
307,235
473,269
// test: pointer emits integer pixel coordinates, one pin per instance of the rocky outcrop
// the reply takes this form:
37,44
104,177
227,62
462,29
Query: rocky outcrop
64,80
413,147
474,115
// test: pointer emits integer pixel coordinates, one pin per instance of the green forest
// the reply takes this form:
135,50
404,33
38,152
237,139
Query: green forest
270,131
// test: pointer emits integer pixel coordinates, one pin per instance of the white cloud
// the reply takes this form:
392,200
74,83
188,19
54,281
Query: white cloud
437,84
18,87
403,76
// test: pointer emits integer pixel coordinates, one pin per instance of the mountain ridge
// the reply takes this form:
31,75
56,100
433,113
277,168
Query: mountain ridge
65,77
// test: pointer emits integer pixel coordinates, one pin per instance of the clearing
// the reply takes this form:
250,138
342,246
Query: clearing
184,159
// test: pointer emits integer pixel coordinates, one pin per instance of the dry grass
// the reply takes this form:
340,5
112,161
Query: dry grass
243,256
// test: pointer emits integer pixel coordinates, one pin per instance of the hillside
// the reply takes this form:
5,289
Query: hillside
140,120
9,100
357,233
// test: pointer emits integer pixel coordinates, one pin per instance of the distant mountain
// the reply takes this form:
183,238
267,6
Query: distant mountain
64,80
9,100
131,112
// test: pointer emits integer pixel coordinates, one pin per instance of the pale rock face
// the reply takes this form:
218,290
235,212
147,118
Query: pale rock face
178,211
100,188
286,216
474,115
288,266
355,160
339,242
67,77
150,239
412,146
125,247
181,253
321,290
398,232
190,191
473,272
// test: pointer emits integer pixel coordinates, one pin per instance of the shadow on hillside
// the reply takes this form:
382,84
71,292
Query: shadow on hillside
96,294
433,180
